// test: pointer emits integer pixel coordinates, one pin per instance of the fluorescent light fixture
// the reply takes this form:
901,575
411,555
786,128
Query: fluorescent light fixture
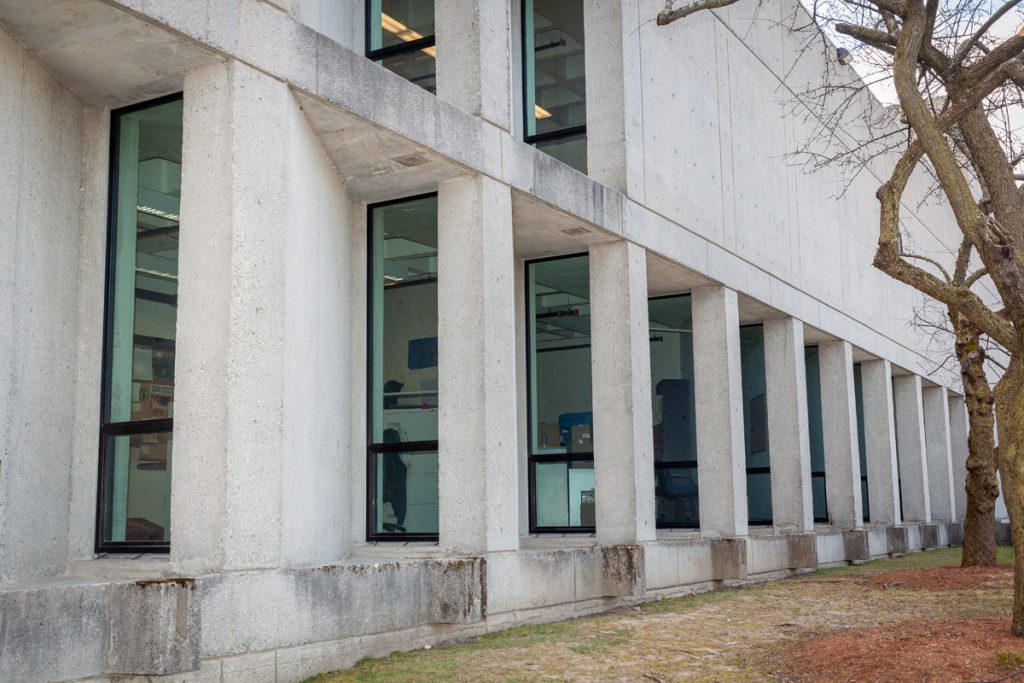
540,112
156,273
400,30
149,210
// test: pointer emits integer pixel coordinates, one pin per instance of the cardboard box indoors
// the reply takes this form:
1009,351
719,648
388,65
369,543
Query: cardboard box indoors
582,439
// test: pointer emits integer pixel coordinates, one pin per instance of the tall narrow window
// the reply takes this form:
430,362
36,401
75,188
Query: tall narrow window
561,449
400,37
402,429
816,432
858,394
675,426
755,423
554,82
141,312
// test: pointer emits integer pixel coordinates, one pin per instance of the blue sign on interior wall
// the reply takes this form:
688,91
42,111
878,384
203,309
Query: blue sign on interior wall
423,353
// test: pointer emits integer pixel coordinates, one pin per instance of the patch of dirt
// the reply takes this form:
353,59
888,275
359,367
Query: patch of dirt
945,578
918,651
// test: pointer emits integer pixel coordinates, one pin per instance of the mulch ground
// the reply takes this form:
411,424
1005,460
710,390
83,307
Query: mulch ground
918,651
945,578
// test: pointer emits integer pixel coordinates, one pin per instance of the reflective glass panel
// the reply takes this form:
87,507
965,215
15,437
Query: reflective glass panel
406,491
416,66
673,402
816,432
404,354
137,482
858,392
144,299
562,411
396,23
555,88
565,493
755,422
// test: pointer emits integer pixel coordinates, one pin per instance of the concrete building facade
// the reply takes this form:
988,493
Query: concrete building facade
335,328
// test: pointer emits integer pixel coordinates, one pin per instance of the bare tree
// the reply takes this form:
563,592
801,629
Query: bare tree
952,77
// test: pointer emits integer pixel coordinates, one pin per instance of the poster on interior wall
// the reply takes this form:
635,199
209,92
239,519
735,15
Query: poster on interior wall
423,353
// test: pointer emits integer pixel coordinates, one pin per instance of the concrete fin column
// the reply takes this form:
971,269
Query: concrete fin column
839,422
477,430
718,387
262,363
958,429
474,56
613,91
911,441
786,371
621,371
937,446
880,442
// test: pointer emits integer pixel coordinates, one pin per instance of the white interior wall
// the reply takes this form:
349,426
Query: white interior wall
40,201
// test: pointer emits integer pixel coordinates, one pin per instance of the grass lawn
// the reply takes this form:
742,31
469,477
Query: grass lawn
728,635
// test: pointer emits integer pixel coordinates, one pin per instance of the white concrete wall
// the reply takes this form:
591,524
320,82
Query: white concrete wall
40,204
724,123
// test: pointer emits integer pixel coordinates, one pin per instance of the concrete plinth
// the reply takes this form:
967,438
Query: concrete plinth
839,422
477,432
896,540
621,367
729,559
880,442
785,372
856,546
154,627
718,385
803,551
937,445
911,440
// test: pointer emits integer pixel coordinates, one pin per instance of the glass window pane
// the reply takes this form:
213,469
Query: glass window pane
675,490
816,430
406,491
404,335
858,393
675,430
417,66
393,22
570,150
565,493
554,69
144,272
137,482
818,493
755,422
560,400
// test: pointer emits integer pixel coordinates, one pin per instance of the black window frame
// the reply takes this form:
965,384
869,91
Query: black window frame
108,429
552,134
531,458
677,464
374,448
818,474
395,50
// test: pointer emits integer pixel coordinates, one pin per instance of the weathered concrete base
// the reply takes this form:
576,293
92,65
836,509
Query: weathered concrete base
287,625
1003,533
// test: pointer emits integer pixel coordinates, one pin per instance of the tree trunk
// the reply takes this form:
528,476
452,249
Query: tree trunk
982,486
1009,395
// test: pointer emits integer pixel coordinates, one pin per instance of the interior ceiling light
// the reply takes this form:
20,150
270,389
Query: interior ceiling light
400,30
540,112
163,275
149,210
